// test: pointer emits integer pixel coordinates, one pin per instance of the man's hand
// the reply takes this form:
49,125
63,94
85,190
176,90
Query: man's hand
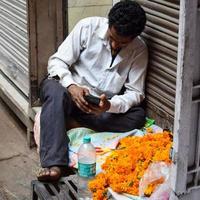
104,105
78,94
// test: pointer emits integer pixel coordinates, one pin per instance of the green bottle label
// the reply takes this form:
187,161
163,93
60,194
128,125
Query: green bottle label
87,170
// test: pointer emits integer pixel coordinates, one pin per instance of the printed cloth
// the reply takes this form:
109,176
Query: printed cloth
104,142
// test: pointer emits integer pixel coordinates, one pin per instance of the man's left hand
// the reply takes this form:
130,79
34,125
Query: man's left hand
104,105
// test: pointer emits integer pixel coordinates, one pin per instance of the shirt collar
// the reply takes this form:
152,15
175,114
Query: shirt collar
102,31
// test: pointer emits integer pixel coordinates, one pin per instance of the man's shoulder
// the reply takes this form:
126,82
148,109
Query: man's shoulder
93,21
139,42
138,45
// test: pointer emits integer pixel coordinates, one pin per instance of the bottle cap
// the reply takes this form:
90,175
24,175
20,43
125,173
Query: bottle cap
86,139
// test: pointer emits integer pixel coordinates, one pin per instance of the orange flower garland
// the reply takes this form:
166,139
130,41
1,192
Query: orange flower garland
125,166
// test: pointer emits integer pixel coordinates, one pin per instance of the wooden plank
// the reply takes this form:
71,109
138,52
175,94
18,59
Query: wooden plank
17,103
33,58
14,99
183,105
45,18
61,21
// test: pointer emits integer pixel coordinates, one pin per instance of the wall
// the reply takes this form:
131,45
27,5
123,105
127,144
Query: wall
79,9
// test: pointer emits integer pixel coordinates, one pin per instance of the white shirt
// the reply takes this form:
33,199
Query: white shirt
84,58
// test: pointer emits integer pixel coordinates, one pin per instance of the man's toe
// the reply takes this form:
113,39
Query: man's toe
43,174
55,173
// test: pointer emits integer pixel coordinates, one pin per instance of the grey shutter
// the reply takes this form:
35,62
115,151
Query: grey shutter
14,42
161,36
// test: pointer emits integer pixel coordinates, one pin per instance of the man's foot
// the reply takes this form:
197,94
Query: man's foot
49,174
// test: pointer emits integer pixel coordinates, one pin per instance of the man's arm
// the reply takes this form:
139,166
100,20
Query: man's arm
134,93
67,54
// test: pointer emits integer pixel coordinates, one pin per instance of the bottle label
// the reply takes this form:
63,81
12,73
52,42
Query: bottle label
87,170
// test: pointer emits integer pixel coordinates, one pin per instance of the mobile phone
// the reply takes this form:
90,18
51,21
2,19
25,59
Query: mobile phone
92,99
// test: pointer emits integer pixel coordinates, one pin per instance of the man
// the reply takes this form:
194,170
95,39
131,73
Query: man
105,58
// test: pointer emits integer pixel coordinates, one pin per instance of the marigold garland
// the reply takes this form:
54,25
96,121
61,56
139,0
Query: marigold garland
125,166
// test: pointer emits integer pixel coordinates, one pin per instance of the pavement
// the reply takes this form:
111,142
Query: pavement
18,163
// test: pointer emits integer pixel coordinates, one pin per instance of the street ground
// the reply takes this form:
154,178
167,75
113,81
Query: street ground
18,163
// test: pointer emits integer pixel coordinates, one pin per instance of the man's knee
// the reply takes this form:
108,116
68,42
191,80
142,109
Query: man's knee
52,89
138,116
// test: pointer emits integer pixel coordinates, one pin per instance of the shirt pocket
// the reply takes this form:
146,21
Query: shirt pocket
114,82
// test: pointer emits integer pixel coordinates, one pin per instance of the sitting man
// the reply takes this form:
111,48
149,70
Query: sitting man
102,57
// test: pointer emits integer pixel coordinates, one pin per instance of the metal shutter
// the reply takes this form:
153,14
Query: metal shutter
14,42
161,36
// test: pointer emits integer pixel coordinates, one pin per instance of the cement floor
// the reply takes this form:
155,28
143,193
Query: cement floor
18,163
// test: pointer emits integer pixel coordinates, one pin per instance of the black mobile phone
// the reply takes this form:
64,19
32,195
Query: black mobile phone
92,99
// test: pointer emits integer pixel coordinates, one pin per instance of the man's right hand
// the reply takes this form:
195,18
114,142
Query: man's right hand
78,94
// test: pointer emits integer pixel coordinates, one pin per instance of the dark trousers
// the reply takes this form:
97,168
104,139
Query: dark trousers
58,108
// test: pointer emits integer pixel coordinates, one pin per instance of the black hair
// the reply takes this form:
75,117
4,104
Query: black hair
128,18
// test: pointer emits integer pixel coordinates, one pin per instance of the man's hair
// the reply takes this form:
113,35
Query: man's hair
128,18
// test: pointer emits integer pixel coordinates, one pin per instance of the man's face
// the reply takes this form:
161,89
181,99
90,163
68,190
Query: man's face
116,41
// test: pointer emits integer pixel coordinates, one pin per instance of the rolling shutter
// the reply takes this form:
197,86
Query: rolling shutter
161,36
14,42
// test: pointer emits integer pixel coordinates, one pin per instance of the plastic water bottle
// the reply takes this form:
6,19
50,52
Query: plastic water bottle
86,168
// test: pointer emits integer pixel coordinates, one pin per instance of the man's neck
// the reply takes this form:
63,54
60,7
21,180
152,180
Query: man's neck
114,52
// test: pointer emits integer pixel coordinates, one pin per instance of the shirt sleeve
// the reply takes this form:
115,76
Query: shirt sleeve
67,54
134,86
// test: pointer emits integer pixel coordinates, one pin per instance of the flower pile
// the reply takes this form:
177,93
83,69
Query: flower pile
125,166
